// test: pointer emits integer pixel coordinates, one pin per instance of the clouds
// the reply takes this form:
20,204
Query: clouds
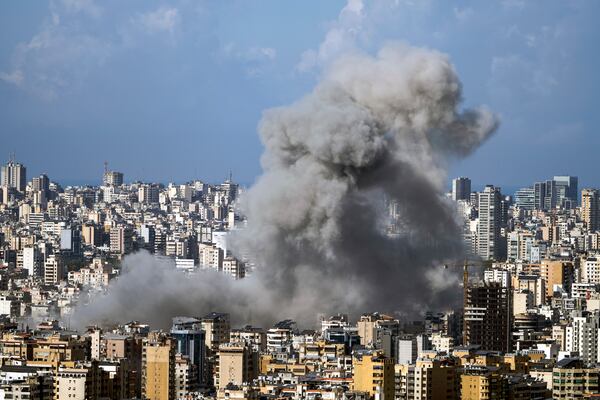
535,65
250,54
77,38
163,19
341,37
255,60
15,77
84,6
513,73
176,67
58,57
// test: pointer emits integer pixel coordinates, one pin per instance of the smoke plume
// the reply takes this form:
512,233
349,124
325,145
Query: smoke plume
375,131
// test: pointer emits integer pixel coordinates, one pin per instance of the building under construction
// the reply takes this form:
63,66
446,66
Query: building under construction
487,318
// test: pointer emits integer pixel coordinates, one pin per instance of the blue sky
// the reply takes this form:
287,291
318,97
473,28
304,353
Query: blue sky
171,91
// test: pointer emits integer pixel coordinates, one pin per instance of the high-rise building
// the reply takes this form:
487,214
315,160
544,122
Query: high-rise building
590,208
567,190
495,275
121,240
551,196
217,330
557,273
112,178
148,235
79,382
489,224
525,198
184,377
210,256
461,188
539,190
90,234
590,270
41,184
32,260
189,338
488,316
234,267
148,194
53,270
410,348
158,367
231,189
581,336
14,176
70,240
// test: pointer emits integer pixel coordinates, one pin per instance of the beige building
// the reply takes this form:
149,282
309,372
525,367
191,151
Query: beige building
374,374
90,234
233,267
79,381
590,208
570,379
158,367
184,376
217,330
71,383
238,364
60,348
251,336
53,270
556,272
120,240
368,324
533,284
426,379
478,383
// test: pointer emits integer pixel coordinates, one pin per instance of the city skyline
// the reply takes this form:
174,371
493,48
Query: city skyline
90,96
507,190
309,200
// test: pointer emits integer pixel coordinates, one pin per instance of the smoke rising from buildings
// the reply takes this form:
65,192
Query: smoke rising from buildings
376,131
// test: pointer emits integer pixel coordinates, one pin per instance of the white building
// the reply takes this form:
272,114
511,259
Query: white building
581,336
488,226
500,276
590,270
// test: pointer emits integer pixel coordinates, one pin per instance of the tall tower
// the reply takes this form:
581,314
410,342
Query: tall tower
461,188
488,227
158,367
14,175
590,208
567,190
539,189
488,317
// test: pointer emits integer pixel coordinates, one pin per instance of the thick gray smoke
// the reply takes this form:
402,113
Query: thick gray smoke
374,128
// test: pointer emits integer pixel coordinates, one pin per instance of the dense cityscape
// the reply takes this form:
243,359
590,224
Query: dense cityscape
299,200
529,327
